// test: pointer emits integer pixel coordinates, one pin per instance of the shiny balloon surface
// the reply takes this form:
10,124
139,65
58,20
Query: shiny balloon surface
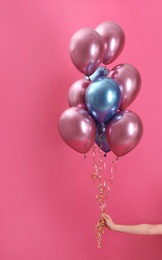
78,129
100,139
99,74
76,95
103,99
129,80
114,40
123,132
86,50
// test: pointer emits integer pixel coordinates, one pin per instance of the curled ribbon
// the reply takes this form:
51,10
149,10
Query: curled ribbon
104,186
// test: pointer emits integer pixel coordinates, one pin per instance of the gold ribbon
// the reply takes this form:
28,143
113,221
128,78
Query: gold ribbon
103,186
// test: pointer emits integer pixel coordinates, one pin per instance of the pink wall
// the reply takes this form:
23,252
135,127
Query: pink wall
47,198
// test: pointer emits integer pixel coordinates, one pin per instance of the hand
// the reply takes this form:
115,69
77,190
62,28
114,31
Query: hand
108,221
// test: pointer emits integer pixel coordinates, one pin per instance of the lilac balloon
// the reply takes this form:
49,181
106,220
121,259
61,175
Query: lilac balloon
123,132
129,80
76,96
114,40
86,50
78,129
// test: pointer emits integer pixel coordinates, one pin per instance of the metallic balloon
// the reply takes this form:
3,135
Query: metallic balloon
103,99
76,95
78,129
129,80
86,50
114,40
100,139
123,132
100,73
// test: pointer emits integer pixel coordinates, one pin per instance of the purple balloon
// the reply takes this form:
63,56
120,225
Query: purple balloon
129,80
123,132
78,129
114,40
76,96
86,50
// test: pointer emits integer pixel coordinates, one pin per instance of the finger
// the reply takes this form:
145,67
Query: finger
106,215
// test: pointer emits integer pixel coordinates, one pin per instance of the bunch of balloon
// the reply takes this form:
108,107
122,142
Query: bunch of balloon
97,116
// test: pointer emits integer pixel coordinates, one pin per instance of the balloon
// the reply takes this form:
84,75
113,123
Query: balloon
78,129
129,81
101,140
99,74
103,99
123,132
76,96
114,40
86,50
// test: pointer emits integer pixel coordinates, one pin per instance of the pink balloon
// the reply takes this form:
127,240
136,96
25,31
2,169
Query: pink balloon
129,80
76,96
114,40
123,132
78,129
86,50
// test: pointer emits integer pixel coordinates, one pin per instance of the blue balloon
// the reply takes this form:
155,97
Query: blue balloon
100,139
103,99
99,74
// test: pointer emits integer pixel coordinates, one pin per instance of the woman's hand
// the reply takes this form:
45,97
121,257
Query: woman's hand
138,229
108,221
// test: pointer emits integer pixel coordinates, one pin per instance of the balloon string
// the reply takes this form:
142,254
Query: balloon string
97,175
113,172
101,224
100,197
94,174
104,186
101,187
100,230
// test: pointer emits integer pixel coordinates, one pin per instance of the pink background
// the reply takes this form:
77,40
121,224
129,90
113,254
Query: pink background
48,208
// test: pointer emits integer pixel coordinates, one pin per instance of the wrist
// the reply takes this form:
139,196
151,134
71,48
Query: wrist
114,227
